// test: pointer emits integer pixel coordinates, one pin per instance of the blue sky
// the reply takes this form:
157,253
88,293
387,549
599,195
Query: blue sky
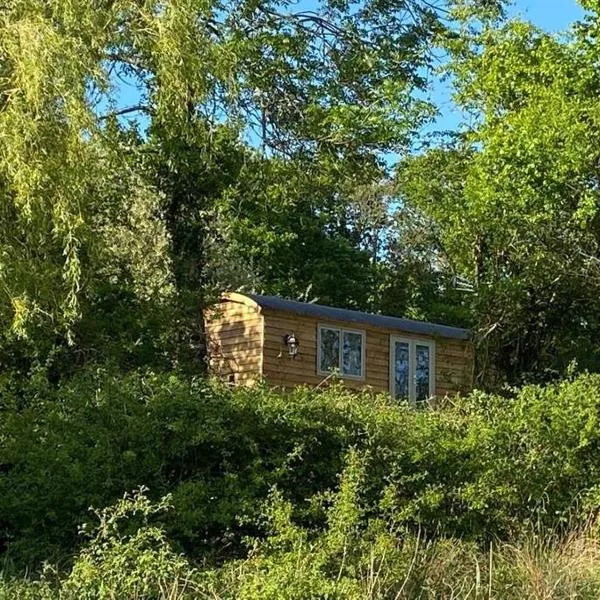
552,15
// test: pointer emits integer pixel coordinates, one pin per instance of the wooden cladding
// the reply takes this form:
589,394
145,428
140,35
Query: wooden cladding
453,358
235,339
247,342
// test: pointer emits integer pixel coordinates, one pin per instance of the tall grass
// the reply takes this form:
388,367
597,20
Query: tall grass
352,557
537,568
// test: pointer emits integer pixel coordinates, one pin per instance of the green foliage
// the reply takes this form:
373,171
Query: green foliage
481,466
73,211
94,191
339,562
514,197
253,158
354,556
127,557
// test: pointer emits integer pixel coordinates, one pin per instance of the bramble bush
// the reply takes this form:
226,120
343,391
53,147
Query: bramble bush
475,467
352,557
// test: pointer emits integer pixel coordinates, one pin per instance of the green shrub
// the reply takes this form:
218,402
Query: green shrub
128,556
477,467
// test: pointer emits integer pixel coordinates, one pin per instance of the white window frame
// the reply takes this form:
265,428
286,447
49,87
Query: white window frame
412,365
341,331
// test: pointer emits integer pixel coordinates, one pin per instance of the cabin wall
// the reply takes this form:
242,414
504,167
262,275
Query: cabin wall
234,334
453,358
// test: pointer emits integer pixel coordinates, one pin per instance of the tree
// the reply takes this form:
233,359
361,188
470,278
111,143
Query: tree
515,198
329,89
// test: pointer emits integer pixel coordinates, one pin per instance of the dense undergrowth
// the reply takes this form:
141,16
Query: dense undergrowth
259,494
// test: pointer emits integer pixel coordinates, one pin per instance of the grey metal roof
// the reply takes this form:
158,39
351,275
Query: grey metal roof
319,311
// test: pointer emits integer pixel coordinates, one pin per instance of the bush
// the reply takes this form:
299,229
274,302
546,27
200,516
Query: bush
352,557
126,556
129,557
477,467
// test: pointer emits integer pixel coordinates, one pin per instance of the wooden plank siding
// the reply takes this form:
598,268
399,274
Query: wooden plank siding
246,343
234,334
453,358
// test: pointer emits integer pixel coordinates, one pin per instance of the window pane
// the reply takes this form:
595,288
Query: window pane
422,372
401,369
330,349
352,355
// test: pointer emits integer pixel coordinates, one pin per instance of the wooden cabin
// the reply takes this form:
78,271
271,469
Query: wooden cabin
288,343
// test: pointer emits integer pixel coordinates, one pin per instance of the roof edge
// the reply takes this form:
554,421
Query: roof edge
323,312
240,298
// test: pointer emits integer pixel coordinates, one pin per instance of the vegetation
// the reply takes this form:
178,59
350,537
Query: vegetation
316,494
514,197
156,152
111,209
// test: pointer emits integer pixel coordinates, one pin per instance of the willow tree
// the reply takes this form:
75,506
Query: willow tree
102,185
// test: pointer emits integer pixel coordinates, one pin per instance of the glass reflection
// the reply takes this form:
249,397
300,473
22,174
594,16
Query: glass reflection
422,372
352,354
401,370
330,349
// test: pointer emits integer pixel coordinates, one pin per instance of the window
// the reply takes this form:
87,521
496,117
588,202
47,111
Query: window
412,370
341,349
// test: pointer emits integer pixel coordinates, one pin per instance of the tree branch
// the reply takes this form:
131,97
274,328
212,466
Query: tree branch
124,111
